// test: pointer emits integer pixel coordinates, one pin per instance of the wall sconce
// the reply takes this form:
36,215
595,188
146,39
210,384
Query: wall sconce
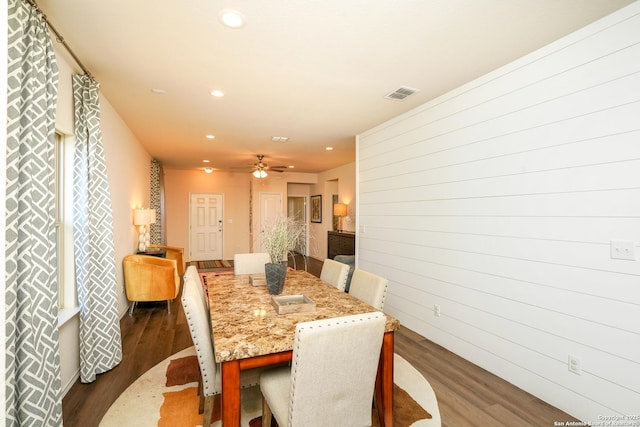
142,218
340,210
208,170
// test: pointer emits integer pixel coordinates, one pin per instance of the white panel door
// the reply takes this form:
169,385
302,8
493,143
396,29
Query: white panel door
205,217
270,207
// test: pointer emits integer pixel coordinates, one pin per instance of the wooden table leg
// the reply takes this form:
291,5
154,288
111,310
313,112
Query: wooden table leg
384,382
230,395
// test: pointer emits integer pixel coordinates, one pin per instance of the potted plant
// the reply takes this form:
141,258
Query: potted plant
281,236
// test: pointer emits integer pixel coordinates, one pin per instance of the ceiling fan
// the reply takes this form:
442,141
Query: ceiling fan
260,169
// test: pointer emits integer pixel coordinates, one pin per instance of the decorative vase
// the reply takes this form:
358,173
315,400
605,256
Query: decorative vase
275,275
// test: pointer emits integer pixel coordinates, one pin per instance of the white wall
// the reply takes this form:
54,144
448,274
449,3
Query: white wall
498,201
128,169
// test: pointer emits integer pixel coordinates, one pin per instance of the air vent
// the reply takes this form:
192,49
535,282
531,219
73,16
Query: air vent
401,93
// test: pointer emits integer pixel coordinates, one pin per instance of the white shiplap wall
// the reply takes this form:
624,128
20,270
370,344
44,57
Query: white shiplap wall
498,201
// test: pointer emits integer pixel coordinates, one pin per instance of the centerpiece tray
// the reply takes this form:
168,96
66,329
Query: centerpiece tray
286,304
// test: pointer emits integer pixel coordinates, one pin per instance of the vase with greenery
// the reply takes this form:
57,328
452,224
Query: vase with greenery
281,236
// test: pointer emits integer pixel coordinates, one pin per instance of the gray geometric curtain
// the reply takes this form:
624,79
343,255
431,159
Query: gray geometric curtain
32,375
100,340
157,202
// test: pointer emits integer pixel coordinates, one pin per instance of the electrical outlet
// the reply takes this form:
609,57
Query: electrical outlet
436,310
575,364
623,249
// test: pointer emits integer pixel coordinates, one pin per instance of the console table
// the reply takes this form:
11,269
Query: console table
161,253
340,243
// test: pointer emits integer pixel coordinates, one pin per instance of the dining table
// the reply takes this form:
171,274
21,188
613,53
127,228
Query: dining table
248,332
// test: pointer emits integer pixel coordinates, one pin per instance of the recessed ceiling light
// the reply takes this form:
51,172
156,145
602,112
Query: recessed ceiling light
210,136
158,91
231,18
206,161
217,93
280,138
329,148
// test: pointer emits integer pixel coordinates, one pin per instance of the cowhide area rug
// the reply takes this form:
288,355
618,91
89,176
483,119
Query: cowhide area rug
167,396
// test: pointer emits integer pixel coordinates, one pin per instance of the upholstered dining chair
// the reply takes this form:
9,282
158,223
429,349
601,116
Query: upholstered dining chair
192,271
250,263
350,260
369,288
191,279
332,375
150,278
334,273
197,319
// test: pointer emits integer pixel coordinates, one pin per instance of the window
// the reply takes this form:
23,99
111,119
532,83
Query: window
59,175
67,296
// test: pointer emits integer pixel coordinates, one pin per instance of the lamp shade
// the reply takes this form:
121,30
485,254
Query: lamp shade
144,216
139,217
340,209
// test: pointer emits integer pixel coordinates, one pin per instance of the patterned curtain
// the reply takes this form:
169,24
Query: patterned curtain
100,341
157,203
32,375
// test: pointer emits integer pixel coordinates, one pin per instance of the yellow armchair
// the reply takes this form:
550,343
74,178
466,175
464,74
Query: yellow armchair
149,278
176,253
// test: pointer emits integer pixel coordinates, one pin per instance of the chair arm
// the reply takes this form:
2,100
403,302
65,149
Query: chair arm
176,253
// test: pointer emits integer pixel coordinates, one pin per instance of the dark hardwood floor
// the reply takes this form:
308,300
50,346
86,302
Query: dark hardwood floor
467,395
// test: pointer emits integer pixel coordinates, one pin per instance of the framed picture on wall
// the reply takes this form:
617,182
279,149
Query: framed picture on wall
316,208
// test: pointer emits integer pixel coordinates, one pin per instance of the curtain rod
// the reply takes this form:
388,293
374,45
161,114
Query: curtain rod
60,39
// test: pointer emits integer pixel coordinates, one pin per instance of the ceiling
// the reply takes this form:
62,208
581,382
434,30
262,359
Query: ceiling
314,71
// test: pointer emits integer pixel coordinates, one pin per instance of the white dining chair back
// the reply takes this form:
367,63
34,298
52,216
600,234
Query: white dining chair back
252,263
201,335
369,288
192,272
332,375
199,326
334,273
192,280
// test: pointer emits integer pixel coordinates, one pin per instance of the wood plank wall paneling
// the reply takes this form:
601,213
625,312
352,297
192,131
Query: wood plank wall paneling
498,202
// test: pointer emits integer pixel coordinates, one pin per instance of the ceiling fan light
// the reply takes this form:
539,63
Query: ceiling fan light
259,173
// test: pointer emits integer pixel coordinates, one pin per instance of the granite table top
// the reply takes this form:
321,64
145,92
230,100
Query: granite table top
246,324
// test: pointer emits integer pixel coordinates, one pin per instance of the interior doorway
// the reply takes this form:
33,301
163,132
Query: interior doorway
270,208
297,209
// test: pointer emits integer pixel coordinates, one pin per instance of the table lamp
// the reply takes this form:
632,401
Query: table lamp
142,218
340,210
